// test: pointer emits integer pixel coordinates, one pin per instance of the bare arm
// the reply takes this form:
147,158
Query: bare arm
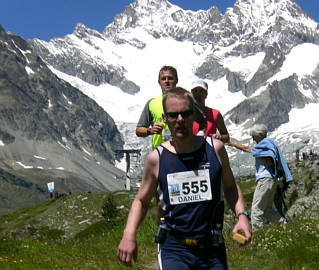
224,135
244,148
128,246
232,191
268,161
142,131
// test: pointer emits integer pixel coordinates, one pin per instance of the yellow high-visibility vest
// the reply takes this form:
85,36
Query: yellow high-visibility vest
156,109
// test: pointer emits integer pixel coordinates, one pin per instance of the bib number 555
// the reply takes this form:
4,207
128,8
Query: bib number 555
194,187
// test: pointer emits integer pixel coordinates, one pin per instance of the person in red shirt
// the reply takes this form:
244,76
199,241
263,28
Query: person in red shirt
215,120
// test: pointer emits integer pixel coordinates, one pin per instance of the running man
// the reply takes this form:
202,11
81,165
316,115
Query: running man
191,173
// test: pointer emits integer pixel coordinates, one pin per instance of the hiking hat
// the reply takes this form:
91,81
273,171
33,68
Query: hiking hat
200,83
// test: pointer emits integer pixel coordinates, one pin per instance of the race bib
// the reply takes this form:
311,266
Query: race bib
189,187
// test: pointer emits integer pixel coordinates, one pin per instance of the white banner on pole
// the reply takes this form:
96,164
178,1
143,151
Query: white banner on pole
50,186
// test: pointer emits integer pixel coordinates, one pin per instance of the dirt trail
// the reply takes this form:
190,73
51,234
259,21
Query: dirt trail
152,266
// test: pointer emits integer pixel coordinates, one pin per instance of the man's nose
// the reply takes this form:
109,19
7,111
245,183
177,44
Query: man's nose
179,117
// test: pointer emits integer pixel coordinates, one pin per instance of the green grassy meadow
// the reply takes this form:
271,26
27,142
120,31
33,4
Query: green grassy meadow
27,242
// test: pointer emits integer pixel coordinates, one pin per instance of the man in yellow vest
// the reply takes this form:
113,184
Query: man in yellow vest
151,121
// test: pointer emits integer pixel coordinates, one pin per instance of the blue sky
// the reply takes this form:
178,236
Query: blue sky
46,19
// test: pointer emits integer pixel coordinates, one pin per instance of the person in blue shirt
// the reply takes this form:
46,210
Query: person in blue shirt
270,167
192,175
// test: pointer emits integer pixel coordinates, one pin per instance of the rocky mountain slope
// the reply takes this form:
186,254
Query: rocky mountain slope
251,58
49,131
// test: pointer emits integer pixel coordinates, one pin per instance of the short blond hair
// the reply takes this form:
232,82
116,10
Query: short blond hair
178,92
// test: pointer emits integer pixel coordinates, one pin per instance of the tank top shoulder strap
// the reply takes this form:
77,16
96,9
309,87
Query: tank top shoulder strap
159,149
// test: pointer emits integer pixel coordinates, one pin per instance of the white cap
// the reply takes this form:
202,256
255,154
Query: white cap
200,83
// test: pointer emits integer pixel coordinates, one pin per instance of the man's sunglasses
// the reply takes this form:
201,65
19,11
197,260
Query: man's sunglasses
174,115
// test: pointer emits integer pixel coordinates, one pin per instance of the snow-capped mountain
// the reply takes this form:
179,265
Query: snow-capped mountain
260,59
49,131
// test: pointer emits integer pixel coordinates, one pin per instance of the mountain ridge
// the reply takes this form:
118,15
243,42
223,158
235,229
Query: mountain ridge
242,54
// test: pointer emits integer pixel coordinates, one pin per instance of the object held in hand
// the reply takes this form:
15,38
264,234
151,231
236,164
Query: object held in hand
240,238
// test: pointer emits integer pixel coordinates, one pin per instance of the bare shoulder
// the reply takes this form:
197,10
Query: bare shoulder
152,158
218,145
151,167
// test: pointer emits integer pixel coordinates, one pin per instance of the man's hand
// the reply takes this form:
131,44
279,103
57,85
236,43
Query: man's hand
243,226
217,136
157,128
145,131
126,250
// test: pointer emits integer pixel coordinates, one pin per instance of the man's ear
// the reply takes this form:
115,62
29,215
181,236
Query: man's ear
164,118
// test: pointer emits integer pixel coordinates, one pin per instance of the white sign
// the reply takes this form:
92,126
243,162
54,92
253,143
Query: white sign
189,187
50,186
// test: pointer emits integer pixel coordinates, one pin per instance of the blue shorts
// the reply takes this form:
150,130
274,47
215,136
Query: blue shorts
174,255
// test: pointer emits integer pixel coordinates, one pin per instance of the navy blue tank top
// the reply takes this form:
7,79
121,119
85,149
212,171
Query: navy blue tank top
188,215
